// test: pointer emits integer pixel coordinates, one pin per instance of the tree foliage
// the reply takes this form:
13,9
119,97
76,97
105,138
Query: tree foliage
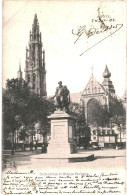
21,106
82,128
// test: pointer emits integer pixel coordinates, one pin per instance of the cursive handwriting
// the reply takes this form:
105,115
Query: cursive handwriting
92,31
82,30
62,183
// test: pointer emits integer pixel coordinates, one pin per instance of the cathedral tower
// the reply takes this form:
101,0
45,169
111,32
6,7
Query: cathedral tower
35,73
107,83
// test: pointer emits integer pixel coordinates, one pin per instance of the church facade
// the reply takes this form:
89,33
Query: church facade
35,72
103,111
99,99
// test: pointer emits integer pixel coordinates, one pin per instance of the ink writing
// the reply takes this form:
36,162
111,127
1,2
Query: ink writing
61,183
101,25
92,31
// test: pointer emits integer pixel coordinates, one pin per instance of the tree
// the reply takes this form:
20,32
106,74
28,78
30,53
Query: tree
103,117
19,100
12,107
23,134
43,129
82,128
117,111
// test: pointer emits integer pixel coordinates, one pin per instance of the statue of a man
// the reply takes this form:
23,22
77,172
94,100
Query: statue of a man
62,95
58,94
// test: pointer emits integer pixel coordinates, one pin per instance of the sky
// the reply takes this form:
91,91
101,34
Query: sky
64,62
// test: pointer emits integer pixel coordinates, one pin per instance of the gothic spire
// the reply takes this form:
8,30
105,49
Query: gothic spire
34,35
19,73
20,66
106,73
35,73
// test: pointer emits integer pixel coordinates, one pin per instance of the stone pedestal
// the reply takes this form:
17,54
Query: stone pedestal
62,134
62,146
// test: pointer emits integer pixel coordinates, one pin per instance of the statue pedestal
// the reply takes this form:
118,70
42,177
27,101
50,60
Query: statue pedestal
62,134
62,146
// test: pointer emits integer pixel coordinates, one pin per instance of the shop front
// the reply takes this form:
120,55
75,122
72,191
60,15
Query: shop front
107,141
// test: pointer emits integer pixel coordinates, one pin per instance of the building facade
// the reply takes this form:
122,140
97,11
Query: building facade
100,100
35,72
103,111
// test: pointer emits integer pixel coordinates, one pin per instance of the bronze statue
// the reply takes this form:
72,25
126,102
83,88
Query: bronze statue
62,95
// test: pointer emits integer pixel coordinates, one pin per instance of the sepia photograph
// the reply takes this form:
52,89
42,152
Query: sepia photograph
63,97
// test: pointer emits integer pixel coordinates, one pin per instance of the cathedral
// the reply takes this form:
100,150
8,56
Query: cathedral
97,98
101,106
104,112
35,72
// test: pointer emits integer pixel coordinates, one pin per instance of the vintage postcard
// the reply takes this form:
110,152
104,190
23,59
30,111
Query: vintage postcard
64,97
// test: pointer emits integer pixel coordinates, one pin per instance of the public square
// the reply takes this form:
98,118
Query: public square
103,159
64,112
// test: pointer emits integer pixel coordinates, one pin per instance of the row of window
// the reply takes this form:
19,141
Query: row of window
33,77
122,136
95,90
98,132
